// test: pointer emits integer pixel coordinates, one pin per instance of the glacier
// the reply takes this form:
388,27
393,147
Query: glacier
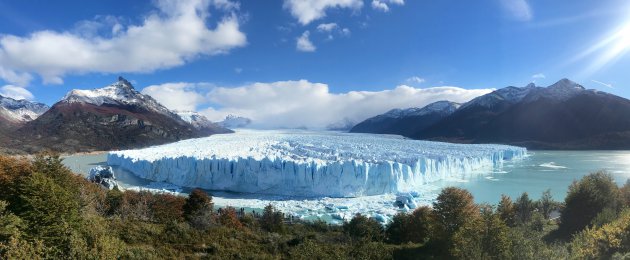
305,163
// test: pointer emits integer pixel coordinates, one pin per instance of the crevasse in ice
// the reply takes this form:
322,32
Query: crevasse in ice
303,163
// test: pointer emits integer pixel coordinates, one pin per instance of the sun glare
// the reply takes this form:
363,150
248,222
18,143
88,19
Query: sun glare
611,48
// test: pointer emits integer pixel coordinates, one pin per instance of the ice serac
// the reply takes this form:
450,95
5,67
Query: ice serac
302,163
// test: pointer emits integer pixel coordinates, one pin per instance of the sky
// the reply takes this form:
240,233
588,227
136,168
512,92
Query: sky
310,63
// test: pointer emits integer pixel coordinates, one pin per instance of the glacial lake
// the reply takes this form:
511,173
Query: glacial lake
539,171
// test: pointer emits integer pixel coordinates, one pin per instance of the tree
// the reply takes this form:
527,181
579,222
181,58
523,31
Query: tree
228,218
524,207
198,209
602,242
364,229
482,238
625,193
414,227
546,204
506,210
586,199
197,200
272,220
452,209
50,211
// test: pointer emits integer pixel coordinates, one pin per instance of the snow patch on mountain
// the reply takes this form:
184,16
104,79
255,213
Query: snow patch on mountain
562,90
442,107
302,163
195,119
20,111
510,95
120,93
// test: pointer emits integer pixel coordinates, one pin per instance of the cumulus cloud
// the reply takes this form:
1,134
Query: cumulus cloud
383,5
327,27
303,43
539,76
517,9
302,103
179,96
306,11
171,36
16,92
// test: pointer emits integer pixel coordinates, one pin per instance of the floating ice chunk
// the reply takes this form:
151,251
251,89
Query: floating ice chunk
405,200
300,163
103,175
552,165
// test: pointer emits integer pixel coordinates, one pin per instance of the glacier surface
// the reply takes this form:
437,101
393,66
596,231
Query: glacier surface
303,163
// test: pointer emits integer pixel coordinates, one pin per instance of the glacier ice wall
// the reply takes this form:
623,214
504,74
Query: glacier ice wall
306,163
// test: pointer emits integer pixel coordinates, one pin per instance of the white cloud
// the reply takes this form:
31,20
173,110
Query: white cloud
176,96
16,92
326,27
172,36
383,5
307,11
306,104
415,79
608,85
345,32
21,79
539,76
517,9
303,43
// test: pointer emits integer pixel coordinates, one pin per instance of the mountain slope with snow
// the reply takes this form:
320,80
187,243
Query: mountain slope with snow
20,111
113,117
563,115
406,121
201,122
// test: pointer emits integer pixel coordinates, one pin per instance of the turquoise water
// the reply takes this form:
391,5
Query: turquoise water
543,170
540,171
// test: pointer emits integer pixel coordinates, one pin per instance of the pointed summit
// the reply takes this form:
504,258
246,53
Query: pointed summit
566,84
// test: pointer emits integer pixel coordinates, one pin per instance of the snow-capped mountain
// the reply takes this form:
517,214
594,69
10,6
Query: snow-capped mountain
113,117
507,96
120,93
200,122
232,121
563,115
443,107
406,121
20,111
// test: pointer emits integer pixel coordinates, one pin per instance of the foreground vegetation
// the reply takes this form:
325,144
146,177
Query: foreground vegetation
46,212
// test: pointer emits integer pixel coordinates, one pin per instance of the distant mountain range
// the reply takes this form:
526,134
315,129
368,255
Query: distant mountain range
114,117
564,115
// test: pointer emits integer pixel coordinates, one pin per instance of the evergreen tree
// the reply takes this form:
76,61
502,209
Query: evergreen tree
524,207
506,210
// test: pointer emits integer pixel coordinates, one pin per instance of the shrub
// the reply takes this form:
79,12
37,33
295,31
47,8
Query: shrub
228,218
363,228
602,242
586,199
